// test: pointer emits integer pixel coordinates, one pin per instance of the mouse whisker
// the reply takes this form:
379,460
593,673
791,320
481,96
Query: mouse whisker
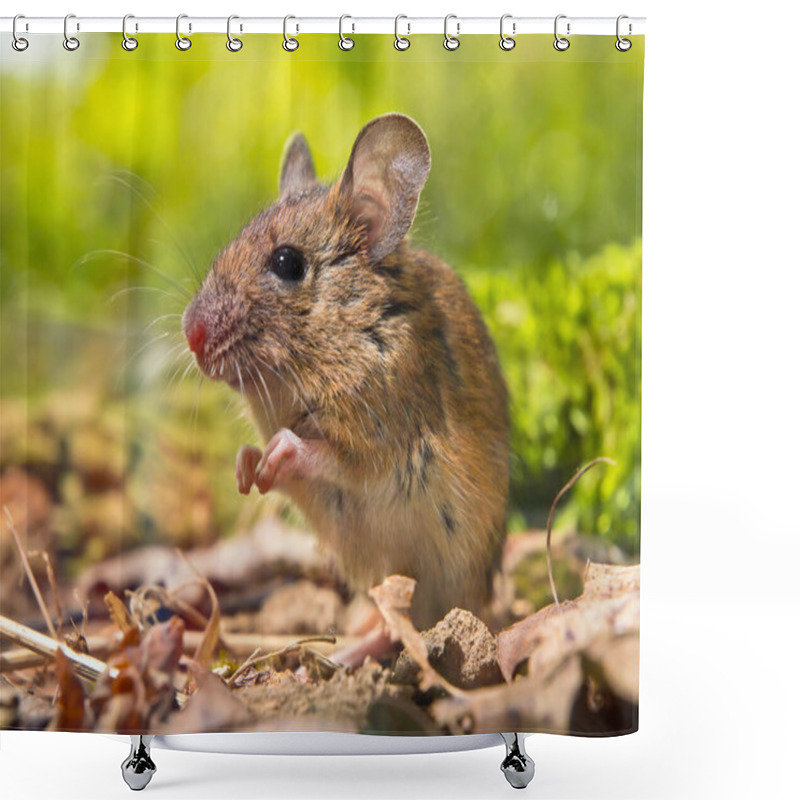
269,398
298,394
180,351
163,317
94,255
239,373
273,417
195,415
151,342
155,289
186,371
125,178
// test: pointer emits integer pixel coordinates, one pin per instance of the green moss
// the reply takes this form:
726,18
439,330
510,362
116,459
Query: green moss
569,339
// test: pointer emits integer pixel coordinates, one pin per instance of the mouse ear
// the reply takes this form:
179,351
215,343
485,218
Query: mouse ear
388,167
297,167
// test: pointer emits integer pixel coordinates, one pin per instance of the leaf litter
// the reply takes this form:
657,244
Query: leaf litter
181,645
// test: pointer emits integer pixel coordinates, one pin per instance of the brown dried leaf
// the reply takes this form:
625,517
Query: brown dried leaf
162,646
618,662
118,613
608,580
608,608
393,598
270,549
119,705
142,693
527,704
70,704
211,708
205,650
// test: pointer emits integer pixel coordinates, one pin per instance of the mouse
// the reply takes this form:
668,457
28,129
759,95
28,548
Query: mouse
371,376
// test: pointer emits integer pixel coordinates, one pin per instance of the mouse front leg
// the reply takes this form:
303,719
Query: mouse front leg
286,457
246,463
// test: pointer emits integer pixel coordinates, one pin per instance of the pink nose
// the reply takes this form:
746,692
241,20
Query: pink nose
196,336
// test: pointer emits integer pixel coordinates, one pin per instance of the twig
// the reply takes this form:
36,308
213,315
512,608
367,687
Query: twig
257,656
29,573
244,665
244,643
85,665
237,643
22,658
297,645
564,489
51,579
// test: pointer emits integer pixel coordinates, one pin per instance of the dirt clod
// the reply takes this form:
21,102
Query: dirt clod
460,648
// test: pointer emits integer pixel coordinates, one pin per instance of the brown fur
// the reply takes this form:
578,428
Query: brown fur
379,357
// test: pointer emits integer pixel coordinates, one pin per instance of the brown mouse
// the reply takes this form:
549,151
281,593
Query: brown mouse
369,371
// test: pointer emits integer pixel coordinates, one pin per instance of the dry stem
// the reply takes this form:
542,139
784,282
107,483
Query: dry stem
564,489
85,665
51,579
29,572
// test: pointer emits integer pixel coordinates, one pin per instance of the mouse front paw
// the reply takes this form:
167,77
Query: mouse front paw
246,463
281,460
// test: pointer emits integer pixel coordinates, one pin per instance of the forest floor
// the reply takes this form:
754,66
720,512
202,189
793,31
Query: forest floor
245,632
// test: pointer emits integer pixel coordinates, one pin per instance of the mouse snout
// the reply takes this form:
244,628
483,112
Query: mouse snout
196,336
194,329
214,324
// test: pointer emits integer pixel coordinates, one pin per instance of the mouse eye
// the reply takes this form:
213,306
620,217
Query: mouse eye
287,263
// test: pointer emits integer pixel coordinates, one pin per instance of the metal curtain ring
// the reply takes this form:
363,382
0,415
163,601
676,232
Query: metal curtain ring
561,44
18,42
233,44
290,44
345,42
451,42
128,42
70,42
182,42
623,45
507,42
400,42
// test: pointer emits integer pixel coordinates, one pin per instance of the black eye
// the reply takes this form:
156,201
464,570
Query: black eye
287,263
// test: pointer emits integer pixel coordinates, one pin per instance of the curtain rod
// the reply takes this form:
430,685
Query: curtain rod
403,25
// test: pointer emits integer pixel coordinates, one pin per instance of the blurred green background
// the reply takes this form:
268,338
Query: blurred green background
534,198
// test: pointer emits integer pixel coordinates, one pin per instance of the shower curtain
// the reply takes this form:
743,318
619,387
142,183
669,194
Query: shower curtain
320,385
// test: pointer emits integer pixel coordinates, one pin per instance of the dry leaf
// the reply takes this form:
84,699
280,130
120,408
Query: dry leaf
205,650
143,691
70,704
393,598
608,608
271,549
118,613
608,580
541,705
582,666
211,708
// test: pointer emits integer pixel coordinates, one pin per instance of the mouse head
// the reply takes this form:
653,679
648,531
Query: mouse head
300,290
